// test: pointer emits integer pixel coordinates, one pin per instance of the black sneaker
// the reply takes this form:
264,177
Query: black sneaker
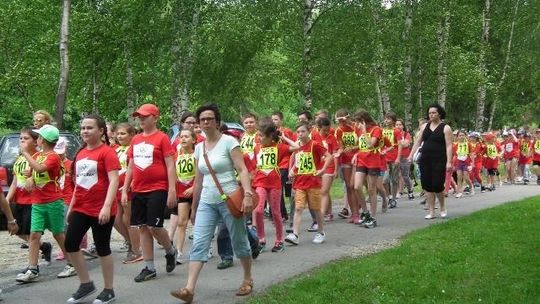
171,261
392,203
46,251
255,251
106,296
225,264
145,275
314,227
24,246
411,195
83,293
278,247
370,223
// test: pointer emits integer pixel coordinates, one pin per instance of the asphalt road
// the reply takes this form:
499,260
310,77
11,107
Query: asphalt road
219,286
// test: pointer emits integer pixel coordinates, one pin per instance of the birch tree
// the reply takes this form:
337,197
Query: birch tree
407,66
443,32
61,94
379,67
482,68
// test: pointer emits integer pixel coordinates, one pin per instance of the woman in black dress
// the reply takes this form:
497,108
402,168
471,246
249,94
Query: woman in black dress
436,157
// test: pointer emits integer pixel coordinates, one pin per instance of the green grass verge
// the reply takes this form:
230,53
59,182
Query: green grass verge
491,256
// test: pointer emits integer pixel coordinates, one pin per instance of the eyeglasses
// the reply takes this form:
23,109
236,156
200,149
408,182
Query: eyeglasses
190,122
207,119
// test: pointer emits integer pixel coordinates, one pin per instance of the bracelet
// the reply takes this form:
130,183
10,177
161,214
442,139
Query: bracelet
14,221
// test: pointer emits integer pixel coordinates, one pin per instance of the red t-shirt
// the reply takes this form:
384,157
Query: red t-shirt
478,150
47,187
525,151
510,148
185,172
405,151
491,155
21,197
122,154
284,163
265,163
347,139
148,153
308,160
536,150
392,137
370,157
462,152
92,180
331,145
68,181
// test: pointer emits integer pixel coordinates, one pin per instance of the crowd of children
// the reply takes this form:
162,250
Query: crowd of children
128,181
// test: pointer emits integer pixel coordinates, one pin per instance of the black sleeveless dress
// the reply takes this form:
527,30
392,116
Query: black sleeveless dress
432,161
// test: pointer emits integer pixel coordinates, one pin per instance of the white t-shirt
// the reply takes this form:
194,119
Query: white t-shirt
222,163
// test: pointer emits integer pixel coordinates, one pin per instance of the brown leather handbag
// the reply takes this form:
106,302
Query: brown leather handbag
235,200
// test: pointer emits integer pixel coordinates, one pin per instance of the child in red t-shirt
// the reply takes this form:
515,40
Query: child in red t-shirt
463,153
536,156
306,171
525,157
267,179
124,134
511,154
369,161
478,148
329,142
93,206
151,177
250,137
47,197
492,153
186,167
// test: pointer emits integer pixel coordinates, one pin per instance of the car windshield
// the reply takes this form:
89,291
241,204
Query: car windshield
10,150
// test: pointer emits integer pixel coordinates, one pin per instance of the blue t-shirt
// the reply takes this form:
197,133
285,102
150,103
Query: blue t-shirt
221,161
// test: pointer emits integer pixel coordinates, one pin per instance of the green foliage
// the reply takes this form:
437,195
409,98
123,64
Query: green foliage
248,57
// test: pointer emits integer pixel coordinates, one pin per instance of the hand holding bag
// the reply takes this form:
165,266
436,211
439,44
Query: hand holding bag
235,200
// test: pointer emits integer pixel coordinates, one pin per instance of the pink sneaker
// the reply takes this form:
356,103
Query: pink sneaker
60,256
353,219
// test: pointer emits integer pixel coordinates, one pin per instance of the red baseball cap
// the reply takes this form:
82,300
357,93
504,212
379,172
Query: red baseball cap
146,109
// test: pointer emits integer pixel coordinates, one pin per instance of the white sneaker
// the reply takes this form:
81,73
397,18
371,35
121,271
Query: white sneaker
28,277
444,214
180,258
210,252
291,239
429,217
68,271
319,238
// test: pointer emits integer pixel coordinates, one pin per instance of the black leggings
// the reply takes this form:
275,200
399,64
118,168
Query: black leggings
79,225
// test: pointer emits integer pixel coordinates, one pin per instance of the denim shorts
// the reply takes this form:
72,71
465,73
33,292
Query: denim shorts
208,217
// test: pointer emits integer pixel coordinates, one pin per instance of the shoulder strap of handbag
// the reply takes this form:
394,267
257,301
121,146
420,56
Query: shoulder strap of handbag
212,172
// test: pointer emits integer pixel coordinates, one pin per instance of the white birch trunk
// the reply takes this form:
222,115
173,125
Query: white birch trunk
130,96
505,68
407,68
309,18
380,64
95,91
61,94
443,33
482,68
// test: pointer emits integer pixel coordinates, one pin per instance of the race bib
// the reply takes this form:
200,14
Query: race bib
121,152
143,155
87,175
267,158
19,167
462,151
491,151
185,167
362,143
525,148
305,163
389,134
247,144
349,139
509,147
537,146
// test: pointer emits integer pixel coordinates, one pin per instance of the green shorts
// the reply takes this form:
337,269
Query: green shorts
48,216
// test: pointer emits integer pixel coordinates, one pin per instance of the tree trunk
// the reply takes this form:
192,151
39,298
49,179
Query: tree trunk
505,68
309,18
407,68
420,93
95,91
182,50
380,99
481,93
380,63
443,33
61,93
130,97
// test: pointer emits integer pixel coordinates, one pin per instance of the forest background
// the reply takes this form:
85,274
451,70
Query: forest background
480,59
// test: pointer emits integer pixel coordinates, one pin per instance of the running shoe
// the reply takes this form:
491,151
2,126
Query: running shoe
83,294
60,256
314,227
459,195
392,203
329,217
319,238
411,196
180,258
262,246
278,247
132,257
444,214
210,252
24,246
90,252
46,251
106,296
31,275
482,189
68,271
171,261
255,252
292,239
225,264
344,213
429,217
370,223
363,217
354,219
124,247
289,229
145,275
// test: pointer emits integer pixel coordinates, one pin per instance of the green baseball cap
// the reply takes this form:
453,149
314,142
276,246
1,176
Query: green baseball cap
49,132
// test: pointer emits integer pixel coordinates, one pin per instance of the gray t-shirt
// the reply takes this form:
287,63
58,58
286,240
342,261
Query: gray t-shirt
222,163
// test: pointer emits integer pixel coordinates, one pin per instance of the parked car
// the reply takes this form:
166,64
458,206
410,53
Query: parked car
9,150
175,129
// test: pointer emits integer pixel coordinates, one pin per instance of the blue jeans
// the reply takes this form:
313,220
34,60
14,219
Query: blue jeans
224,246
208,216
